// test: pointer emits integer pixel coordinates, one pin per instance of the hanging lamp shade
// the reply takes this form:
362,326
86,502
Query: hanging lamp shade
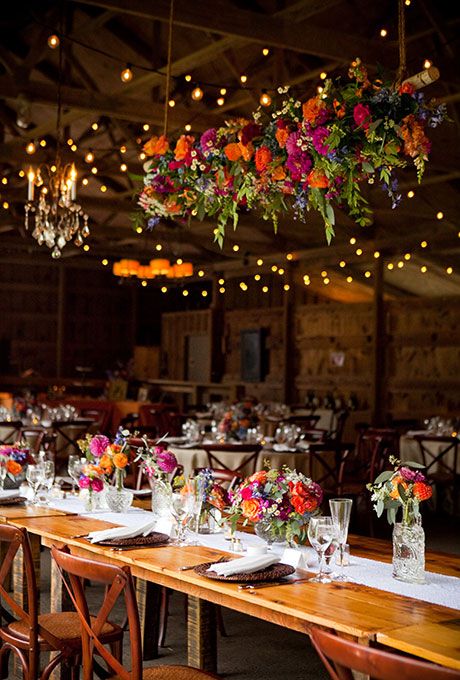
183,269
160,267
145,272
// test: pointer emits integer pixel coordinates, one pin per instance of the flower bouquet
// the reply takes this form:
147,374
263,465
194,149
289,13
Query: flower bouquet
211,499
279,502
299,155
238,420
158,463
404,487
13,459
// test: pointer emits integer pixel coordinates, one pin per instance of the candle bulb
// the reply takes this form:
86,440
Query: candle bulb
73,182
31,178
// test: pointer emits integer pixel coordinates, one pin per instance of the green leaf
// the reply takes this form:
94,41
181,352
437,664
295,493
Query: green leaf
413,464
379,508
367,167
384,476
402,493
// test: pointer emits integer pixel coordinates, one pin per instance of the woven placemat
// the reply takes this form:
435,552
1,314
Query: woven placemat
155,538
272,573
17,500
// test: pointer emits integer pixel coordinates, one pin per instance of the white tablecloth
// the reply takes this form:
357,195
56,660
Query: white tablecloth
410,450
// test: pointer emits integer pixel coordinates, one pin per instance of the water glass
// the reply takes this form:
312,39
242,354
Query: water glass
181,508
47,467
322,532
340,512
34,476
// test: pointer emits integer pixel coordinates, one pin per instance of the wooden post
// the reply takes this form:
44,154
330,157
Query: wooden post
201,634
60,321
378,411
216,331
288,387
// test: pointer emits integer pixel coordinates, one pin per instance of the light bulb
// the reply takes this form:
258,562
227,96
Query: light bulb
359,251
103,188
324,274
172,103
265,51
256,277
410,194
439,215
185,292
73,147
146,127
407,256
223,91
43,142
260,262
390,266
188,77
289,256
286,287
188,127
123,149
123,167
4,180
158,247
197,93
274,268
323,75
179,260
86,247
204,293
400,264
342,263
367,274
383,33
264,289
31,148
221,282
220,101
164,289
326,281
243,286
53,41
95,126
281,271
6,205
236,248
449,270
349,279
21,173
221,289
139,230
105,262
423,244
126,75
319,89
265,99
352,241
426,63
85,181
94,170
201,273
376,254
424,269
89,157
243,79
144,283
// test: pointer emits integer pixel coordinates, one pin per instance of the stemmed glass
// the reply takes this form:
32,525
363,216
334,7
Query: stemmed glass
3,471
321,533
47,467
182,510
34,476
74,468
340,513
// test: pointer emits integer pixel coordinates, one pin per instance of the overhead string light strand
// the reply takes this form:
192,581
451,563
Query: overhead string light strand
168,66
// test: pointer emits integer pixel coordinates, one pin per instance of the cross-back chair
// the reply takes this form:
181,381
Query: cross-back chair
119,583
247,463
440,456
25,632
10,431
341,656
34,436
68,433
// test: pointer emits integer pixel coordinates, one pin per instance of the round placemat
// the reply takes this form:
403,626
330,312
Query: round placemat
154,538
17,500
272,573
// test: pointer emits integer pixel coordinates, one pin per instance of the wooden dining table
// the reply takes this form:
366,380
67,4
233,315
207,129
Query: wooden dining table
358,612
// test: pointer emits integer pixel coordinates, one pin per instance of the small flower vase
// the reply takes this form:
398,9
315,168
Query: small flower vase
91,500
409,551
269,532
161,497
208,523
118,498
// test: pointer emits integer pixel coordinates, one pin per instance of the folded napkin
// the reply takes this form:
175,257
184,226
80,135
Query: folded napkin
280,448
122,532
10,493
245,565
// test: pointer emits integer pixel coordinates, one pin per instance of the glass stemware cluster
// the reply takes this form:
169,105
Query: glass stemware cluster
185,510
40,475
326,534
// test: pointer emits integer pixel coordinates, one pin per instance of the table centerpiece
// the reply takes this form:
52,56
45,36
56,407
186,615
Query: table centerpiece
13,459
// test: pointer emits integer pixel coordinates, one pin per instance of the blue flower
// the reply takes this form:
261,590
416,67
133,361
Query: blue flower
152,223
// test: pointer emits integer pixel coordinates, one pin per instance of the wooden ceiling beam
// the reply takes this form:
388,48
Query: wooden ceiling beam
221,18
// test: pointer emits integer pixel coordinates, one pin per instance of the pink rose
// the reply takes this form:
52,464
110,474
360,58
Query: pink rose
98,445
246,493
362,115
83,482
97,484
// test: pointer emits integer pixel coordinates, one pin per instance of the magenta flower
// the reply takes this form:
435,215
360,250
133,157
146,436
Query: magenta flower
411,475
318,137
291,143
97,484
362,115
83,482
250,131
98,445
208,141
166,461
316,491
246,493
298,164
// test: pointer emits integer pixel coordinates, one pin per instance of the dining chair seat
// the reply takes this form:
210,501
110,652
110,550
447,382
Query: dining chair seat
63,625
171,673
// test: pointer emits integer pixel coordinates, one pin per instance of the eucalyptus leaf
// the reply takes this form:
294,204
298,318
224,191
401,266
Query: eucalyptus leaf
384,476
413,464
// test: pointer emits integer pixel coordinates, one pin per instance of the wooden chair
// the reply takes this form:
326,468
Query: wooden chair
34,436
10,431
68,433
227,478
440,456
341,656
217,465
304,422
26,633
118,582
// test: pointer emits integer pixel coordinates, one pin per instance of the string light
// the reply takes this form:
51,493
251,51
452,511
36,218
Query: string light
220,101
86,247
390,266
4,180
164,289
359,251
426,63
103,188
319,89
89,156
376,254
323,75
53,168
439,215
383,33
256,277
31,148
188,77
423,269
6,205
407,3
126,75
326,281
142,156
53,41
260,261
274,268
223,91
200,273
188,127
407,256
342,263
146,127
349,279
95,126
290,256
94,170
144,283
197,93
400,264
423,244
105,262
265,51
221,282
243,79
324,274
367,274
123,167
70,141
264,289
21,173
85,181
286,287
236,248
179,260
243,286
43,143
172,103
204,293
158,247
352,241
265,99
449,270
410,194
221,289
185,292
281,271
123,149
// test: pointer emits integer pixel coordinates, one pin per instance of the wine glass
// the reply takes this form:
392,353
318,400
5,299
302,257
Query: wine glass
321,533
34,476
181,508
3,471
340,513
47,467
74,468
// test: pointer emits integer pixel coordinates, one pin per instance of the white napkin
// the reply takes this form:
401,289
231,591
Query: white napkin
245,565
280,448
10,493
122,532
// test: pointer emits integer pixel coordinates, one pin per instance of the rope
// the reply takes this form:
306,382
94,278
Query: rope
402,70
168,68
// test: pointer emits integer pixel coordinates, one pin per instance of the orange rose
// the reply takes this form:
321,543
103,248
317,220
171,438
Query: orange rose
278,173
317,180
156,146
172,206
247,151
422,491
299,504
396,481
106,464
263,158
183,147
120,460
406,88
260,476
281,135
251,509
233,151
13,467
312,108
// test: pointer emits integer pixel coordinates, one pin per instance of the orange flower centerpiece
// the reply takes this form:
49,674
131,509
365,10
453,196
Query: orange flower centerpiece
278,502
404,487
13,458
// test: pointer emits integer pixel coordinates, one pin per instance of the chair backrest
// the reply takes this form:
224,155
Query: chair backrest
247,462
226,477
9,431
305,422
340,418
34,436
439,452
340,656
150,414
68,433
118,582
373,447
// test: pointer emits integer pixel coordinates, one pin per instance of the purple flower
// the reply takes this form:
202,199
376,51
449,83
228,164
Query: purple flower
208,141
97,484
411,475
298,164
152,223
166,461
317,491
291,143
318,137
98,445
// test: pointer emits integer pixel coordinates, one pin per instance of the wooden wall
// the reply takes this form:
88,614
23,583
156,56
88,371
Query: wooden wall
175,328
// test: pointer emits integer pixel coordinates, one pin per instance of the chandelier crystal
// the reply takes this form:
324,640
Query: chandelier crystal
51,209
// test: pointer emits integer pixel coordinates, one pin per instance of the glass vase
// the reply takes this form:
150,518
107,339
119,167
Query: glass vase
208,522
161,497
269,532
91,500
118,500
409,551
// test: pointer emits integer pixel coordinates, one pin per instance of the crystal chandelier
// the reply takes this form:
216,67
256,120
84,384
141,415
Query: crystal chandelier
51,211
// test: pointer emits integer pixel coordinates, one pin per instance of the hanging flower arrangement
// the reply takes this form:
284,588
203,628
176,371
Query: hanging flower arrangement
299,156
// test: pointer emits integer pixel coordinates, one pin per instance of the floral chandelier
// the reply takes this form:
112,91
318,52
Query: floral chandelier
159,267
51,211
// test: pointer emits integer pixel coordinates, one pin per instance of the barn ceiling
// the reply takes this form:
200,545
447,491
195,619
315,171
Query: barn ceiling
215,42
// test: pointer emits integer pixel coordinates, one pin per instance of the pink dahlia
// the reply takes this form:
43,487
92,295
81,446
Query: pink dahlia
98,445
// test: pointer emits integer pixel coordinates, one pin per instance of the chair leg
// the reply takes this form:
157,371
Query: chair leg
4,659
117,649
164,613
